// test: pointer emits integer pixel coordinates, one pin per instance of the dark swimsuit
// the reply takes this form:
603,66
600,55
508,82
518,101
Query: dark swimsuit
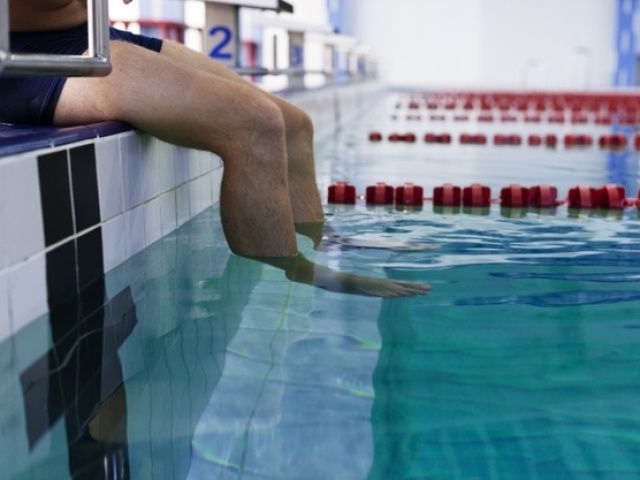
33,100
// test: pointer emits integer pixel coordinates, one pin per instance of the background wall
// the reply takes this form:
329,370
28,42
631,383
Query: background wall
492,43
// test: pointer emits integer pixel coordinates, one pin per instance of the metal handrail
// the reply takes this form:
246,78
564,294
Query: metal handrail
95,64
263,72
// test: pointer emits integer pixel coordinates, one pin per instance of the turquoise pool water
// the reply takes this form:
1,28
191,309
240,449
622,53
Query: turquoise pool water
522,363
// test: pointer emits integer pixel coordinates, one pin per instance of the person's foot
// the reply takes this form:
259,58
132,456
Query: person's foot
368,286
300,269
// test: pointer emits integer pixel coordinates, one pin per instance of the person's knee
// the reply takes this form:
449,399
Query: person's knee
266,119
257,127
299,123
260,127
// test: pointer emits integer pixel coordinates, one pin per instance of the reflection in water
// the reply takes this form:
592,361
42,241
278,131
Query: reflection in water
80,379
130,376
124,378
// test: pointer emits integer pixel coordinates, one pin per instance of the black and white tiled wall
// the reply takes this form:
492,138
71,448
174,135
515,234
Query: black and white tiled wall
115,194
70,214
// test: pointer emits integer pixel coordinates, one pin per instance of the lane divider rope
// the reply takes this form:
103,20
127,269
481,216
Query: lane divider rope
607,197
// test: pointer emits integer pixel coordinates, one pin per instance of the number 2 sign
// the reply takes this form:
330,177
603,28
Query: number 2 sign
221,32
221,36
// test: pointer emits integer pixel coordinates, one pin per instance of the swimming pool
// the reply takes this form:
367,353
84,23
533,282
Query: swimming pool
522,363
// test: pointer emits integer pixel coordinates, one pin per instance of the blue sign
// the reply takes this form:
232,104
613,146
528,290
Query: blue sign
336,15
625,74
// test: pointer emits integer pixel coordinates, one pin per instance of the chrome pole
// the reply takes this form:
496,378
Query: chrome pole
95,64
4,32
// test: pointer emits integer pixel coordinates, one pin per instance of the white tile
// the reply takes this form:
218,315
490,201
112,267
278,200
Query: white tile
167,166
207,189
5,321
153,221
168,212
195,163
109,168
113,243
21,218
195,197
182,165
118,279
201,194
149,150
205,163
28,291
134,231
13,426
4,238
32,342
210,162
183,193
132,182
216,182
216,162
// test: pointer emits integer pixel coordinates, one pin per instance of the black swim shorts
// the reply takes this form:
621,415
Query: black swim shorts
33,100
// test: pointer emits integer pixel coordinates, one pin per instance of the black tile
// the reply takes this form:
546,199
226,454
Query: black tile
90,260
35,392
85,186
62,281
92,297
65,323
55,195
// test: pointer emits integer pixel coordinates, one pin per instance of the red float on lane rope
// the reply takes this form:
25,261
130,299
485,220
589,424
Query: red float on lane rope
444,138
615,141
410,195
534,140
543,196
447,195
407,137
612,197
342,193
468,139
577,140
550,140
499,139
379,194
476,195
375,137
514,196
583,196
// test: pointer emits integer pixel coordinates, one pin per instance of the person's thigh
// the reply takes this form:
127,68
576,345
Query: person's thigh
197,60
166,98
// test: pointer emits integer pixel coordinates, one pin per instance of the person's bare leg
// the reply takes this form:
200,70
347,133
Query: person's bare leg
192,107
303,189
196,109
